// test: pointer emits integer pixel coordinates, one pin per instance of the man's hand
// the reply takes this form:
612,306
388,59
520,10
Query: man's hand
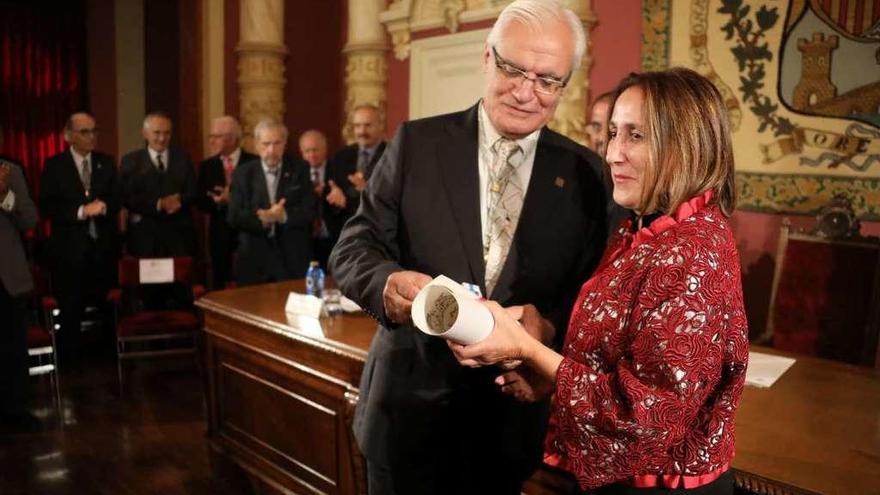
400,290
357,180
94,209
220,194
5,175
336,197
524,385
538,327
170,204
273,214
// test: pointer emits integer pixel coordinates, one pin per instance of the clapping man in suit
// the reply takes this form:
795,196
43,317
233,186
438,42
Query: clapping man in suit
215,179
158,188
351,167
17,215
313,148
272,207
78,195
491,197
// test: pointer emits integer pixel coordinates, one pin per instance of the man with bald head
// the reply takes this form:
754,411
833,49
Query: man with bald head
215,179
78,197
313,148
158,189
489,197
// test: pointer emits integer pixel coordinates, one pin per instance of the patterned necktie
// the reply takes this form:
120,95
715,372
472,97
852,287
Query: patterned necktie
271,183
363,160
159,163
87,186
228,167
86,176
505,203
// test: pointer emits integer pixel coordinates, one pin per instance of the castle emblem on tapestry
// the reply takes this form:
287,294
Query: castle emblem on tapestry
802,83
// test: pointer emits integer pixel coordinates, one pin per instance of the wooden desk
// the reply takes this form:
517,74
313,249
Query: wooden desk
281,395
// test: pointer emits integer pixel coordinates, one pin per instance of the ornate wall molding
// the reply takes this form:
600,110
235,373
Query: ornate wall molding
404,17
261,53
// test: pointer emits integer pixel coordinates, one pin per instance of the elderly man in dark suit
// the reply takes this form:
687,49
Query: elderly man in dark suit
17,214
272,207
489,197
158,188
215,179
78,195
351,167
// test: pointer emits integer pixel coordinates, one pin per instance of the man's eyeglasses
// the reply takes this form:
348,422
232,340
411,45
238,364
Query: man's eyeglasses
86,132
543,84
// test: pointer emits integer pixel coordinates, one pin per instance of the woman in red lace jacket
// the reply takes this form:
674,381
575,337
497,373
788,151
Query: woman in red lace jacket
653,364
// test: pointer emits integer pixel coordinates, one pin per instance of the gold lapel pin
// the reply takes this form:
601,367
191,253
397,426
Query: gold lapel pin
560,182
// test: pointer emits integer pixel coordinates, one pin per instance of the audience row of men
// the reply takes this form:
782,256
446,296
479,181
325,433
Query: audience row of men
268,214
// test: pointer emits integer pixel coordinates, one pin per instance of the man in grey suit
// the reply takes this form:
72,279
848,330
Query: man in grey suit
158,189
490,197
17,214
272,206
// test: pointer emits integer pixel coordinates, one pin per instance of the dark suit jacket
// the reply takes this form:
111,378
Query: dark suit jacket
420,211
291,246
152,232
15,273
342,164
62,194
211,175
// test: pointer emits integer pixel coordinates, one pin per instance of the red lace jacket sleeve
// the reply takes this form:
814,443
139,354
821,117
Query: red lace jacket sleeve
656,381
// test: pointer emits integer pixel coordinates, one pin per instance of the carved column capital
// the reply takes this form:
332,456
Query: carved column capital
366,69
261,53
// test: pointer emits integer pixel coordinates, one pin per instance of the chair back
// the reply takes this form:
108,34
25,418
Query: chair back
824,299
130,270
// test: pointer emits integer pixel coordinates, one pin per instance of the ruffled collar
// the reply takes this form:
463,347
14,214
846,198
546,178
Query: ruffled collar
665,222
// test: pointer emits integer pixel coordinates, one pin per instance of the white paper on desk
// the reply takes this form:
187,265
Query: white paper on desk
156,270
348,305
444,308
302,304
765,369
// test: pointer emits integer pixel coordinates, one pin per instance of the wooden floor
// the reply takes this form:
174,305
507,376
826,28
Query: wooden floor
151,440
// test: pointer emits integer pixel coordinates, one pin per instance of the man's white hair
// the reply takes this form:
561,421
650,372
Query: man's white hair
265,125
236,127
155,115
537,14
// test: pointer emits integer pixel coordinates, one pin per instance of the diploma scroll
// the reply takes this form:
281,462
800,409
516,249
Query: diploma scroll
445,309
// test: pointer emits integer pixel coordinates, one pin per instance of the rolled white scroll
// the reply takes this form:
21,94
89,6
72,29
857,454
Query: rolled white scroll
445,309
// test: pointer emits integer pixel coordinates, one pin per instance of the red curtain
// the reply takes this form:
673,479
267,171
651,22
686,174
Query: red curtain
42,78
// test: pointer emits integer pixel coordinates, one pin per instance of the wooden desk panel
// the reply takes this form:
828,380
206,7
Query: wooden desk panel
281,395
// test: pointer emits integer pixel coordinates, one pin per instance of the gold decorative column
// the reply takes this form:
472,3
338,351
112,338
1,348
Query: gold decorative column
261,52
571,114
366,69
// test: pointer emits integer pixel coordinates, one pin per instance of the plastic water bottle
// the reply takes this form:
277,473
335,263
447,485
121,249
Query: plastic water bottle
314,279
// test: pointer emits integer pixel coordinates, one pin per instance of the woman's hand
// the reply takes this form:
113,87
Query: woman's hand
508,341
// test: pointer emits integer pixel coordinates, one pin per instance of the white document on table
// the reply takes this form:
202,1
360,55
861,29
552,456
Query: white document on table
156,270
765,369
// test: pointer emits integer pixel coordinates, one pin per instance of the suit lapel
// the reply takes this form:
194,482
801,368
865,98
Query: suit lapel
460,171
542,197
